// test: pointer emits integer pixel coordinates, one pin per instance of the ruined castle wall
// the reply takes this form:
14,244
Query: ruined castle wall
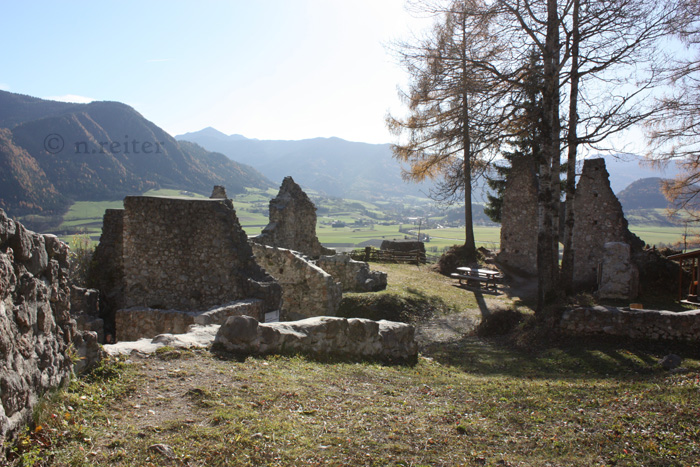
293,222
598,219
519,218
187,254
136,323
107,275
636,324
307,290
35,324
355,276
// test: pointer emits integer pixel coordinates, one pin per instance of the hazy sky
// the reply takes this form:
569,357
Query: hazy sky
268,69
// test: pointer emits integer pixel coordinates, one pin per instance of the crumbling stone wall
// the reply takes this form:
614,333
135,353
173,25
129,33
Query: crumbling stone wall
293,222
619,277
107,275
637,324
355,276
354,337
307,290
36,329
519,218
599,219
136,322
187,254
176,254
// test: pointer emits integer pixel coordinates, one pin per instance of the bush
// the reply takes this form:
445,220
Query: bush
453,258
391,307
80,258
499,323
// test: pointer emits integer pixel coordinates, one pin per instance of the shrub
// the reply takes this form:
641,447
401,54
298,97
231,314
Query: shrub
453,258
80,258
391,307
499,323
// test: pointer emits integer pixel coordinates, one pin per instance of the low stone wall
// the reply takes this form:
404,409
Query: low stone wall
35,324
322,335
307,290
638,324
355,276
143,322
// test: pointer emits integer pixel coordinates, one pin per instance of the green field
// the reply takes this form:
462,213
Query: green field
85,217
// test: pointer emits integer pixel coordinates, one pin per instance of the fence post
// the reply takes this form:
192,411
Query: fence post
368,249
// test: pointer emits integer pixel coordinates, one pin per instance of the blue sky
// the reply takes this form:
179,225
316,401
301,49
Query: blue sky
267,69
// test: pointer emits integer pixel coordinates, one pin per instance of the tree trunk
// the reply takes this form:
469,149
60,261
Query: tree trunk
469,240
548,199
567,264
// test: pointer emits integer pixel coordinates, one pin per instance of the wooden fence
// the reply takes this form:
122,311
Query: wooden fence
370,254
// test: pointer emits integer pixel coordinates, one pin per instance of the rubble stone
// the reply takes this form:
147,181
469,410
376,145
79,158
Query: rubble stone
321,335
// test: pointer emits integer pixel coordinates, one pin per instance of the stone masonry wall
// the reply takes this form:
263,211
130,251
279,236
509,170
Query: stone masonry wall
323,335
108,274
598,220
35,324
307,290
638,324
293,222
189,254
519,219
136,323
355,276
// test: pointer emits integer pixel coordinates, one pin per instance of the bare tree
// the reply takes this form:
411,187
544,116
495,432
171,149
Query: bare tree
604,53
451,130
611,64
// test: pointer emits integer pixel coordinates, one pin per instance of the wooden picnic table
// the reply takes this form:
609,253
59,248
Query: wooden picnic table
488,277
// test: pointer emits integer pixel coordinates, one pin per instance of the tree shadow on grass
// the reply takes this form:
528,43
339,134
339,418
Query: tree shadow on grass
561,358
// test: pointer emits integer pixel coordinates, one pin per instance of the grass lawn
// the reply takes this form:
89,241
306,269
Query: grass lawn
468,401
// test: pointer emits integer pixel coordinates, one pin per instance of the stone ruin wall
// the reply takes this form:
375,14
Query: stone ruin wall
598,219
354,276
139,322
307,290
636,324
519,219
293,222
35,323
187,255
108,276
179,254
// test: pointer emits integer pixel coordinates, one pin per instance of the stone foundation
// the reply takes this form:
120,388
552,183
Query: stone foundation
353,338
637,324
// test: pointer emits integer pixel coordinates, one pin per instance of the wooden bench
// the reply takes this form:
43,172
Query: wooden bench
486,276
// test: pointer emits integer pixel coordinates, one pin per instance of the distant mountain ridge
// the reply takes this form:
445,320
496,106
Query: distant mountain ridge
53,153
644,193
361,170
333,166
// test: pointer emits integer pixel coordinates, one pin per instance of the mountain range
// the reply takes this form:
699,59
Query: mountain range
54,153
360,170
332,166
